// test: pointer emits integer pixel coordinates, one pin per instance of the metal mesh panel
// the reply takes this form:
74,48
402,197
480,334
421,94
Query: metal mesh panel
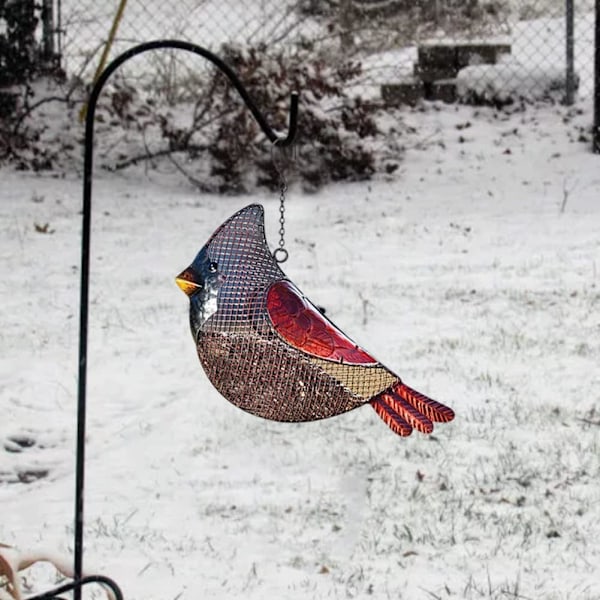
244,356
388,37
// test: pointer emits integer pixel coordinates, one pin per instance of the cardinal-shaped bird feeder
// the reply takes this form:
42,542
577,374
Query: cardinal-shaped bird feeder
270,351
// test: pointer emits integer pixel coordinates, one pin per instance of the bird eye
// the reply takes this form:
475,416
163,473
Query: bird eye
212,267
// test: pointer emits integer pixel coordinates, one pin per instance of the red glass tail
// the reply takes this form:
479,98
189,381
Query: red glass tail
404,409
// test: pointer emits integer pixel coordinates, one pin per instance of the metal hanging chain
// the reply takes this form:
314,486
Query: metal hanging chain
281,254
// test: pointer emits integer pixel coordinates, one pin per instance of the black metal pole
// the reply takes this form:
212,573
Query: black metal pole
596,132
85,244
570,53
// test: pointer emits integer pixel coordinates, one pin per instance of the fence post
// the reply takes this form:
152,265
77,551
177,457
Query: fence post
570,53
48,31
596,132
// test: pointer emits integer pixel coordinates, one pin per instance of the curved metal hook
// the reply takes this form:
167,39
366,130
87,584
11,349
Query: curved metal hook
218,62
85,241
77,585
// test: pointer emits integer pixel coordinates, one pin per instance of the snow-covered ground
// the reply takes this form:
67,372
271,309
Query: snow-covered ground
475,273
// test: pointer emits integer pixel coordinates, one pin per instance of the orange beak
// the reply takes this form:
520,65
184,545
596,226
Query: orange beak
187,280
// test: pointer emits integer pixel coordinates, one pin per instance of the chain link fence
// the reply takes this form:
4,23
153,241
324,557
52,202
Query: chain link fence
473,51
491,50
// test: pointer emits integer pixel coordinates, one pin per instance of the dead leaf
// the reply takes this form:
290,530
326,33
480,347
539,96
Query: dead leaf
45,228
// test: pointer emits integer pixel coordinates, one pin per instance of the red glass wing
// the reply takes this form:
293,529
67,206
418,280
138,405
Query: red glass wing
302,326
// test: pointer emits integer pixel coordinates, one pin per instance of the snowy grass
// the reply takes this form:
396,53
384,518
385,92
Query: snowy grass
469,273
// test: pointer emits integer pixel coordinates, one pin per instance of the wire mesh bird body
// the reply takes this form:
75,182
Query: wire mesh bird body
270,351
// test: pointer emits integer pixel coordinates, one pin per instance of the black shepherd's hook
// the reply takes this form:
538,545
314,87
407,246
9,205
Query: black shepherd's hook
85,253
